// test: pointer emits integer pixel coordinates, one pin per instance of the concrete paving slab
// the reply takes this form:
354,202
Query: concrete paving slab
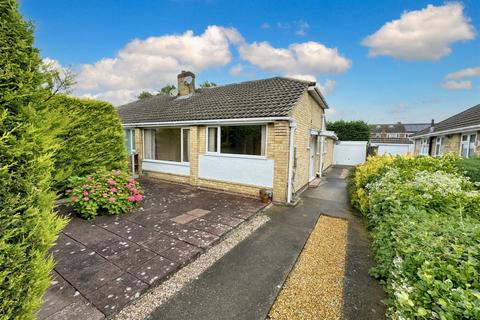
181,252
78,310
215,228
58,296
132,257
155,270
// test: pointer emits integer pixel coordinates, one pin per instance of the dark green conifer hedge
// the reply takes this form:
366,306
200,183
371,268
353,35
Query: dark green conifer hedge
28,226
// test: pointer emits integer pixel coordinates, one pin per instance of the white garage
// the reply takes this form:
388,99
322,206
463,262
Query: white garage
349,153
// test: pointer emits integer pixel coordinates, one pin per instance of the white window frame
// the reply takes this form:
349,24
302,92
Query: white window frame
424,146
468,134
184,163
234,155
439,146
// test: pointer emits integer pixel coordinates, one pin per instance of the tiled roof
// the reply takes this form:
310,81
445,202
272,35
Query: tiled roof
398,127
467,118
274,97
415,127
391,140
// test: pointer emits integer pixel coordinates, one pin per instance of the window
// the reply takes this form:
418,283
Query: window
467,145
424,146
392,135
167,144
439,146
246,140
129,135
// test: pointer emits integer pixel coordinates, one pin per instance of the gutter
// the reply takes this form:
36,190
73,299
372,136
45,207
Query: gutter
206,122
317,95
443,132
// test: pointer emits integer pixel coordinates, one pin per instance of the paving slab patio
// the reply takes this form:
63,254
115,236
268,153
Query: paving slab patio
104,264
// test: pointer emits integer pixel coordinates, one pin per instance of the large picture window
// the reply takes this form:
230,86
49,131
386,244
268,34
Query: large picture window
167,144
241,140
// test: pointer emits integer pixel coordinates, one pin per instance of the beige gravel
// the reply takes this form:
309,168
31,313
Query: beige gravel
147,303
314,288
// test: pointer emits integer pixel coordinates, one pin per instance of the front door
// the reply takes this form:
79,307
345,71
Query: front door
313,152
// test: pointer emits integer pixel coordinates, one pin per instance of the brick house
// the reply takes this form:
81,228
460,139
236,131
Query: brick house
261,134
458,134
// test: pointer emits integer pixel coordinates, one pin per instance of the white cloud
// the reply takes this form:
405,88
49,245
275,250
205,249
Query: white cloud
331,111
422,34
236,70
327,87
265,25
299,58
464,73
155,61
302,27
151,63
457,85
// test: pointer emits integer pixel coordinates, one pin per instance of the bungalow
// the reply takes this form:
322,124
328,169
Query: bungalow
393,138
458,134
261,134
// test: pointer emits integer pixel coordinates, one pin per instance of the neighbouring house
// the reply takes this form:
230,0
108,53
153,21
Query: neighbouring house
393,138
457,134
244,137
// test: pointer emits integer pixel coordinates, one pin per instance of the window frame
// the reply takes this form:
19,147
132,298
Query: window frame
131,138
424,146
468,135
218,153
181,162
439,146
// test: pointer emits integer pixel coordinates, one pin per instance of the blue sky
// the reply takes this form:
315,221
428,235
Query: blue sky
379,61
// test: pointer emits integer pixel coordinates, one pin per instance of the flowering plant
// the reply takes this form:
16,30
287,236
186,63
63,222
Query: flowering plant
106,192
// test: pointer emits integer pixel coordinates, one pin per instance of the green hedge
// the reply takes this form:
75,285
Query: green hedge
91,138
424,220
28,226
471,168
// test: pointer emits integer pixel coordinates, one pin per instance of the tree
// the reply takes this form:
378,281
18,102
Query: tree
350,130
207,84
144,95
28,225
166,90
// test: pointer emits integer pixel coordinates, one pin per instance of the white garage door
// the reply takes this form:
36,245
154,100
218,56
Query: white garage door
349,153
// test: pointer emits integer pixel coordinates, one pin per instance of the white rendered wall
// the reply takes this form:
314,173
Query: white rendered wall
166,167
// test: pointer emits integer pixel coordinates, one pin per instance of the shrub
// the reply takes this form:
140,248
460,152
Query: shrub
106,192
350,130
91,138
424,219
470,168
28,226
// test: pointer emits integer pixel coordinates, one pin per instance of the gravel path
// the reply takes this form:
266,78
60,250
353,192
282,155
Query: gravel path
314,288
142,308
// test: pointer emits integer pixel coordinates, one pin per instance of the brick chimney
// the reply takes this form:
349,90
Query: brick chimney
186,83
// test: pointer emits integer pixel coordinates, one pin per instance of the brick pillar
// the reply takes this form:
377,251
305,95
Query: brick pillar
280,148
194,150
139,148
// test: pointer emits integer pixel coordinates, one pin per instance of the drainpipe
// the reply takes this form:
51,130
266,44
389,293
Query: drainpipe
290,160
322,152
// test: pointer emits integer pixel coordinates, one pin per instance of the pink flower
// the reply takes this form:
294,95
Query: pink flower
112,199
131,198
86,199
135,191
114,190
111,182
74,199
139,197
85,193
131,181
117,172
89,178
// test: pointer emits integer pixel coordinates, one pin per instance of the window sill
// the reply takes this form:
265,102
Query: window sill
184,164
229,155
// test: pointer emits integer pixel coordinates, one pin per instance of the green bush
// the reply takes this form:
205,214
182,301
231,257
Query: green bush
91,138
470,168
424,219
28,226
106,192
350,130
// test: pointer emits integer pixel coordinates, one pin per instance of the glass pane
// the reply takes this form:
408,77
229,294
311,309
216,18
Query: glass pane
186,145
128,142
162,144
464,150
133,140
471,145
212,139
241,140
